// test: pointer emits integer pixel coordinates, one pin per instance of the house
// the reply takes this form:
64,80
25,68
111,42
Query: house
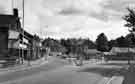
122,50
15,41
92,53
121,53
9,33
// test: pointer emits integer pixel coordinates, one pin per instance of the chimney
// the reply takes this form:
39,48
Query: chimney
15,12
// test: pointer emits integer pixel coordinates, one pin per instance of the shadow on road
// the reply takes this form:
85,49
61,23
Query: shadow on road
105,72
128,74
115,64
52,65
108,69
129,77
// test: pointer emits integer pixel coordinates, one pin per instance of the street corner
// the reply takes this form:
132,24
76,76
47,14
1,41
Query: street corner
129,78
22,67
111,80
117,80
103,80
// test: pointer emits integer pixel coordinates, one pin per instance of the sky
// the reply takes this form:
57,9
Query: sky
72,18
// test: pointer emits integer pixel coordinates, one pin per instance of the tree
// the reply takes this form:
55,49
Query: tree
130,19
123,42
69,44
102,43
130,22
77,47
36,37
54,45
90,44
112,43
131,39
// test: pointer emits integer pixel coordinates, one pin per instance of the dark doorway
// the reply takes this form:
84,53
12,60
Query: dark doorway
3,42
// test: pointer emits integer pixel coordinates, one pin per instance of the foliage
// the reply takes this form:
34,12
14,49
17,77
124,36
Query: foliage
89,43
102,43
130,19
131,39
112,43
123,42
72,45
36,37
54,45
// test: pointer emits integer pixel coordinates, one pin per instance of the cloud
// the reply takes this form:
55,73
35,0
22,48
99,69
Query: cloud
5,7
70,11
80,7
99,9
115,9
81,19
2,11
72,18
118,6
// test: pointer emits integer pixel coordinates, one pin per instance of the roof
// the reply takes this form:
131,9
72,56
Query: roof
92,51
10,21
7,19
26,34
108,53
122,50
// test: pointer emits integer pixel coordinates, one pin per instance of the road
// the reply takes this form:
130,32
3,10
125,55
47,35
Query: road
59,72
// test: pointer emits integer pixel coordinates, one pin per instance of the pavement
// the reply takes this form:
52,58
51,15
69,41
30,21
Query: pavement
40,62
25,65
53,64
68,74
101,73
124,77
116,77
127,76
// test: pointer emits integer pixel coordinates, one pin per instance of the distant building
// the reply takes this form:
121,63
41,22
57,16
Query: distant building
93,51
122,50
121,53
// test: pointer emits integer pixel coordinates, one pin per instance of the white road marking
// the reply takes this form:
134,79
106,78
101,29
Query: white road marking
109,81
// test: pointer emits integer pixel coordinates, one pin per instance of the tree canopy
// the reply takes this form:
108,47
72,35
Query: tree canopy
130,19
123,42
102,42
54,45
130,23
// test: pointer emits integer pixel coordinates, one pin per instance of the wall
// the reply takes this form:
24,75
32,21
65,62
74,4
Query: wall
3,41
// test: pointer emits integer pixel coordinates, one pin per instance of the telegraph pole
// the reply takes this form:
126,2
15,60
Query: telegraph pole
12,4
22,30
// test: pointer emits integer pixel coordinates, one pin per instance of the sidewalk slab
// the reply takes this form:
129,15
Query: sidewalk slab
24,66
129,78
117,80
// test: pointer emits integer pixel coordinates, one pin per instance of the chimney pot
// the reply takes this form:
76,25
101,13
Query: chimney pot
15,12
